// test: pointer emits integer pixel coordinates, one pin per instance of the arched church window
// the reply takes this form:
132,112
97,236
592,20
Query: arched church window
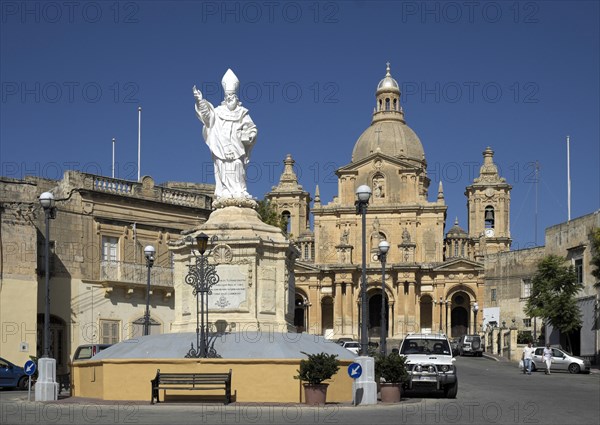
456,248
489,217
387,103
287,218
395,105
380,104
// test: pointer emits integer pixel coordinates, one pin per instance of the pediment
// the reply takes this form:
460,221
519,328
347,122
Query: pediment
385,159
460,264
305,267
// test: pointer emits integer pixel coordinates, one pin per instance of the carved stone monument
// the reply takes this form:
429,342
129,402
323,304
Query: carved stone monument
254,261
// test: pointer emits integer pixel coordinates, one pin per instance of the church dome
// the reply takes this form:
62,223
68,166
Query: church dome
393,138
456,231
388,132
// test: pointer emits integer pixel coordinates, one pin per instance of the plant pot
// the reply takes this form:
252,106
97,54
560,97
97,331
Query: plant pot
390,393
315,394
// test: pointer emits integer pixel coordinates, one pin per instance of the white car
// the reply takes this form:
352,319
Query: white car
560,361
352,346
430,363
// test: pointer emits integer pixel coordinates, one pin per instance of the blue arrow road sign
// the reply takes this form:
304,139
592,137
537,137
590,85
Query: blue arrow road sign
354,370
29,367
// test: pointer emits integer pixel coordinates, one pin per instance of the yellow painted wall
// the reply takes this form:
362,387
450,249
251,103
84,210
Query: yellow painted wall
253,380
18,320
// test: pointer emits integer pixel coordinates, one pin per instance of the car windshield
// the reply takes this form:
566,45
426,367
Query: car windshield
84,353
352,344
425,346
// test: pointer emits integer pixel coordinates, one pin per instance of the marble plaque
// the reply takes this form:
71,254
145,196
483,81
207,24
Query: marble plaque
230,292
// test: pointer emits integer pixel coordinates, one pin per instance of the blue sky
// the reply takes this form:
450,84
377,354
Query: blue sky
516,76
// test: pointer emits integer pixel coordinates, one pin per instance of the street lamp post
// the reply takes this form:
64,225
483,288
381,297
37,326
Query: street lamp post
447,304
475,310
149,253
47,202
363,194
202,277
46,388
384,247
441,307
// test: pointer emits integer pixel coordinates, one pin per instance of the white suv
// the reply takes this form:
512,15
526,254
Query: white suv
430,363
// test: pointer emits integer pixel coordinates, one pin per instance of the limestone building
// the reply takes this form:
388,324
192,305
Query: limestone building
508,285
433,279
98,269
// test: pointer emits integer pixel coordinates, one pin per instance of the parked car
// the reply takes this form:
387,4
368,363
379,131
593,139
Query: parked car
430,363
12,376
470,344
352,346
454,345
87,351
341,341
561,360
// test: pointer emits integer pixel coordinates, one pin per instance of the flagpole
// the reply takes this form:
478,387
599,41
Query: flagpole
113,158
537,179
139,140
568,179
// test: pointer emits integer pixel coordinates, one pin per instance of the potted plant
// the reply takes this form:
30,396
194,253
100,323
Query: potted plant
391,372
313,372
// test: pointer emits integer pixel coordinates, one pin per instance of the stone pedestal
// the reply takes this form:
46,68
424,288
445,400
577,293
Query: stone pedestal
255,265
364,388
46,387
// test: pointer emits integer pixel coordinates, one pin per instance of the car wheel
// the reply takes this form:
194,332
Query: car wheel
574,368
22,384
533,367
450,391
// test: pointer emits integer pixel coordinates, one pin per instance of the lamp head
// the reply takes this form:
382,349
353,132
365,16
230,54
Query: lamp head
363,193
475,307
47,200
384,247
202,242
149,252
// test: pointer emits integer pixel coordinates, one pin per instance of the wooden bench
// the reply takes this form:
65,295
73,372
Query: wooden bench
191,381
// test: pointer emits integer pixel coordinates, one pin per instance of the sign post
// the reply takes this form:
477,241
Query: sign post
30,368
354,371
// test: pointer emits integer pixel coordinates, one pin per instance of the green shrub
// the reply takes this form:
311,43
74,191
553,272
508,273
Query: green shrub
392,368
318,367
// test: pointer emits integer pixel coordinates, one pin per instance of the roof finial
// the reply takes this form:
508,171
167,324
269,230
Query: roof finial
387,70
456,221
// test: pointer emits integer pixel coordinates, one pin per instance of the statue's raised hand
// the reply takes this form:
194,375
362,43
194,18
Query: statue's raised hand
197,94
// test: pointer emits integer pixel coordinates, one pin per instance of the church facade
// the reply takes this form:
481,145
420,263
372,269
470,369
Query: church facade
434,281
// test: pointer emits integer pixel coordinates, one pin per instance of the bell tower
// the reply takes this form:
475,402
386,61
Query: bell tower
488,207
291,201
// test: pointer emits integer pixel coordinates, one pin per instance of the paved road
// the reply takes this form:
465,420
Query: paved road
489,393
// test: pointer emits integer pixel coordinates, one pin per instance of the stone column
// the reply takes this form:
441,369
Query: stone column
348,309
514,354
338,310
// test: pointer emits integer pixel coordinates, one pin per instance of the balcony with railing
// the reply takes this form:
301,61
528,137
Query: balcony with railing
145,189
131,276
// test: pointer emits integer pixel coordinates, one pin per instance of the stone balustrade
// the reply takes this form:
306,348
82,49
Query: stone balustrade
146,189
119,271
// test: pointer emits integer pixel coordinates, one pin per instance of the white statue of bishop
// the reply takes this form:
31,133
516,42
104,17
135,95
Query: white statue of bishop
230,135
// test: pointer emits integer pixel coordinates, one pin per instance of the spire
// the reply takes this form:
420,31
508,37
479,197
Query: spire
456,221
317,197
488,171
289,179
440,195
